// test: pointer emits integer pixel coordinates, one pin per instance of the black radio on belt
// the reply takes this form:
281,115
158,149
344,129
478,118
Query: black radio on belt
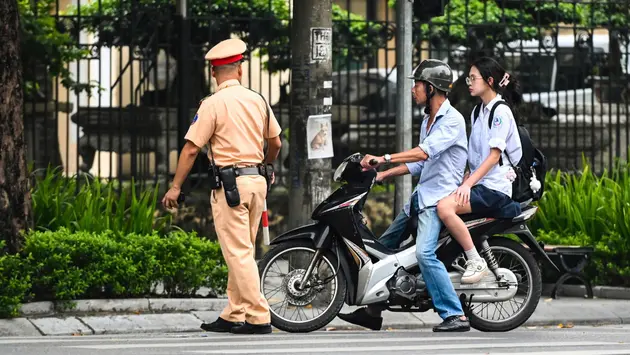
266,170
215,177
213,172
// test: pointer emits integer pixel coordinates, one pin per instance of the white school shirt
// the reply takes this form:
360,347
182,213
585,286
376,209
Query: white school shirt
503,134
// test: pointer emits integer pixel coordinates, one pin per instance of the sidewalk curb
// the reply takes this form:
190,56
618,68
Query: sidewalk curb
603,292
130,305
186,315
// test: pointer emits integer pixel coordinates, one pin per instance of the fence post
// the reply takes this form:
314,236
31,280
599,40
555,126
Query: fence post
404,53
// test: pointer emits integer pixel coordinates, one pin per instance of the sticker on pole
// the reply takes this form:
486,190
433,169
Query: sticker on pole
319,137
321,44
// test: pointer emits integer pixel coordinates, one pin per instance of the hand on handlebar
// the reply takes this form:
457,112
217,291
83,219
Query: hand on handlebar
380,176
371,162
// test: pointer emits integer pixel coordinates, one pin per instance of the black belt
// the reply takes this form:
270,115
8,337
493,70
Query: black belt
247,171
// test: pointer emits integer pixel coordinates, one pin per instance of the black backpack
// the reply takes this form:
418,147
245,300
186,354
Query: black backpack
532,162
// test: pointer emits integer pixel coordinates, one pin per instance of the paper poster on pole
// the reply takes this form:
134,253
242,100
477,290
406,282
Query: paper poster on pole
318,137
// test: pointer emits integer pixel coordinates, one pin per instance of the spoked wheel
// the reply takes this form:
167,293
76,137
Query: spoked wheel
507,315
293,308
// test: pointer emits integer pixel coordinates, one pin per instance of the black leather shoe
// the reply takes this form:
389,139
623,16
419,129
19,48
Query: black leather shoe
362,318
252,329
453,324
220,326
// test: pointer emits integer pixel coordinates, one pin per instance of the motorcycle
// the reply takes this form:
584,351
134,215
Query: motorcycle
336,259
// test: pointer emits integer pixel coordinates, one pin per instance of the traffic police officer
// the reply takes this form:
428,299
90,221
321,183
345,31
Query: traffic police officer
234,122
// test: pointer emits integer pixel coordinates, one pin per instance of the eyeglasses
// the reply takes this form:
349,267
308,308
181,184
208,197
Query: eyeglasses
471,79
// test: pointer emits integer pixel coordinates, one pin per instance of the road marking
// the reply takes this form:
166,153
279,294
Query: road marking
561,352
394,348
198,337
301,341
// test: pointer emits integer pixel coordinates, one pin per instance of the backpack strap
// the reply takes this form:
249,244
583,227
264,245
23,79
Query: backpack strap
501,102
476,113
492,111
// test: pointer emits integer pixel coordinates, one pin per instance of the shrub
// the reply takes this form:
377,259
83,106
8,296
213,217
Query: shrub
586,209
14,283
81,204
586,203
65,265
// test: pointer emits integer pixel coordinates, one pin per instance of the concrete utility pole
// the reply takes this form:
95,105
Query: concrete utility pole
183,72
404,53
311,101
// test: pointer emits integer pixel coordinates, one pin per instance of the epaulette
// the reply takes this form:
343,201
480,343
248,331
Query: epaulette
200,101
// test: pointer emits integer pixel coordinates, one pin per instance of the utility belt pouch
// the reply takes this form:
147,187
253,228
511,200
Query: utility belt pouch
215,177
228,178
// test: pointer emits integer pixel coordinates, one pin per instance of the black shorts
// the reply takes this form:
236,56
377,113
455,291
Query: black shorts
492,203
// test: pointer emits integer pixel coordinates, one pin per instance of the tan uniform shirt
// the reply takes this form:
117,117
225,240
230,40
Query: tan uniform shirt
234,122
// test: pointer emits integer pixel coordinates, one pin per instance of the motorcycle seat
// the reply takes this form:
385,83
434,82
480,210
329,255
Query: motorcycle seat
412,225
472,216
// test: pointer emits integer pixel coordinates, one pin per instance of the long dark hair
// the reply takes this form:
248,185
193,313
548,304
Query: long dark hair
511,92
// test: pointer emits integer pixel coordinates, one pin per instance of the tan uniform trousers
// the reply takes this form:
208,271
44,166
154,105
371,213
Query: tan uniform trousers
236,229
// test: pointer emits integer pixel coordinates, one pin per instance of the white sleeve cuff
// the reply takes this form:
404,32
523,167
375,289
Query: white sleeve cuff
415,168
497,143
425,148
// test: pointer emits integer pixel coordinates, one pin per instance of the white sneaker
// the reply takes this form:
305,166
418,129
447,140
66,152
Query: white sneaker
476,269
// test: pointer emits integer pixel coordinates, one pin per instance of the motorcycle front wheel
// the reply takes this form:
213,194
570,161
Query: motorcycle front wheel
510,314
300,310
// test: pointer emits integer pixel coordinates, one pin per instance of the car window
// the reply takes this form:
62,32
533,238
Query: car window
574,66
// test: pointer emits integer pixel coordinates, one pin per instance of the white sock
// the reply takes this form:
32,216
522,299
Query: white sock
472,254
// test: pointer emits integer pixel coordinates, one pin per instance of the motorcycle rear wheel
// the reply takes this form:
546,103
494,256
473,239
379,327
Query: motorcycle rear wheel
301,299
534,283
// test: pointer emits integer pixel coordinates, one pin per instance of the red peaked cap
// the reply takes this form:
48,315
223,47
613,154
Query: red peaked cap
228,60
226,52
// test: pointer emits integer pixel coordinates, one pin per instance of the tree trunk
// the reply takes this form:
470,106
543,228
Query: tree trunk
15,198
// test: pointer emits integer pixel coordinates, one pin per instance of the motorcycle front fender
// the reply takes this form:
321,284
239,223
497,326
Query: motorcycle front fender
318,233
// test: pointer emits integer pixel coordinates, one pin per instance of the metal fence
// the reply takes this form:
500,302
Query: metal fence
145,62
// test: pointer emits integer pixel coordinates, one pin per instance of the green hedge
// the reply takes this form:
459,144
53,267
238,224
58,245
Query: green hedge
590,210
65,265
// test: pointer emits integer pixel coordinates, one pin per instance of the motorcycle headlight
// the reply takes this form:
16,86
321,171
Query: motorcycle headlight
339,171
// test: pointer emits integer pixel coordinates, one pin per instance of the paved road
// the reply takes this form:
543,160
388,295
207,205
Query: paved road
585,340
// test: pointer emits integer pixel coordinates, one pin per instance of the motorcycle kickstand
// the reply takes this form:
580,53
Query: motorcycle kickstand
466,307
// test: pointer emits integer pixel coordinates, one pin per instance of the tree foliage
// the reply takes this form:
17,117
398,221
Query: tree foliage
51,36
149,25
502,21
46,47
50,42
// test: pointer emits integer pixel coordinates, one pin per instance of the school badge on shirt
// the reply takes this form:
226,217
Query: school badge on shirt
497,121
